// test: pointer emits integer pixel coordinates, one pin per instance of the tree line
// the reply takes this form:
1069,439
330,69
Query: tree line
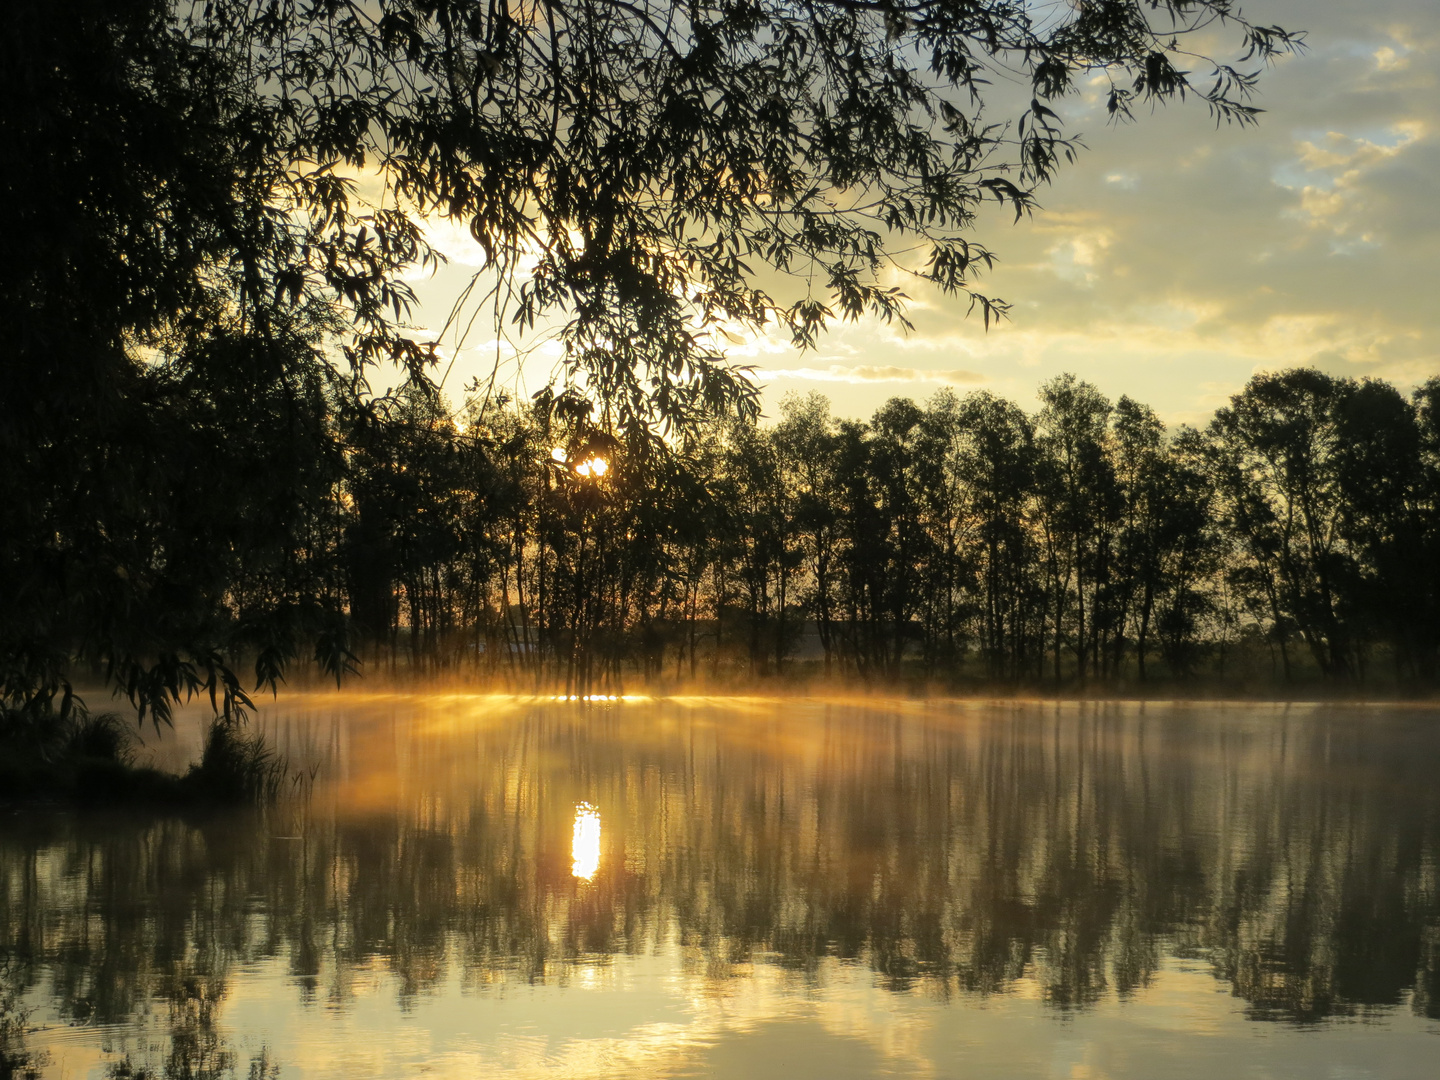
959,542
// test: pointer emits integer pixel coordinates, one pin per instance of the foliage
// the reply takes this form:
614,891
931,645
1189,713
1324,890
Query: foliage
214,209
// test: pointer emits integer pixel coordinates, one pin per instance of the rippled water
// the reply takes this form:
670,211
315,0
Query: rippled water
479,887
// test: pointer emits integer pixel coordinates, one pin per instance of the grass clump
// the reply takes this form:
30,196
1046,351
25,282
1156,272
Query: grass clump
91,759
80,756
236,767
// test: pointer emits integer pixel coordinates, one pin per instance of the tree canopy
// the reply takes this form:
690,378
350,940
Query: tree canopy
632,167
627,166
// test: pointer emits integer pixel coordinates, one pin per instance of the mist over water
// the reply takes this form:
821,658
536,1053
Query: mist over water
742,887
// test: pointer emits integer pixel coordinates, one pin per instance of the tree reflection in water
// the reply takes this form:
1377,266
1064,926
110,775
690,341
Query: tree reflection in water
955,850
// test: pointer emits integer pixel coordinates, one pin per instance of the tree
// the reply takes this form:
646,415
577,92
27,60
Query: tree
1079,508
1385,502
1426,576
997,466
946,525
1139,459
1276,455
167,374
1180,553
763,519
806,441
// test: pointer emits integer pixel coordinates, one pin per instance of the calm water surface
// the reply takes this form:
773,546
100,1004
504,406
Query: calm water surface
481,887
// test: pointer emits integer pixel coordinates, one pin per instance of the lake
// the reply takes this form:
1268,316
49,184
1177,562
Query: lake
465,886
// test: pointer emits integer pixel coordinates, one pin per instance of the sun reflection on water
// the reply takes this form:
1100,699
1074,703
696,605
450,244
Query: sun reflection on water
585,842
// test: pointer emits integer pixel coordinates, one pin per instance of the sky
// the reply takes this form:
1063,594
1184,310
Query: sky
1175,260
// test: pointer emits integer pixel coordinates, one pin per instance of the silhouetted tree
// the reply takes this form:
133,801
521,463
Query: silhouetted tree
1276,468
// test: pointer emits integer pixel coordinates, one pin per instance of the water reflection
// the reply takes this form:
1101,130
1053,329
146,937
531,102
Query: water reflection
1071,854
585,843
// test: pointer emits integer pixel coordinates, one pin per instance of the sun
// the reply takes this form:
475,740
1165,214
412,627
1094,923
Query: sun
593,466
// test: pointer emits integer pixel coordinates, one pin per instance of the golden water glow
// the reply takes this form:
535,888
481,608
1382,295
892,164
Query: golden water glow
599,697
585,842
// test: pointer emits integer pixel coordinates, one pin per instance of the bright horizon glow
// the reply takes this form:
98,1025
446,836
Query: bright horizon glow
585,842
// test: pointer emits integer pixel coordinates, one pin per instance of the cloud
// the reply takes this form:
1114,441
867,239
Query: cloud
868,373
453,240
1311,238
